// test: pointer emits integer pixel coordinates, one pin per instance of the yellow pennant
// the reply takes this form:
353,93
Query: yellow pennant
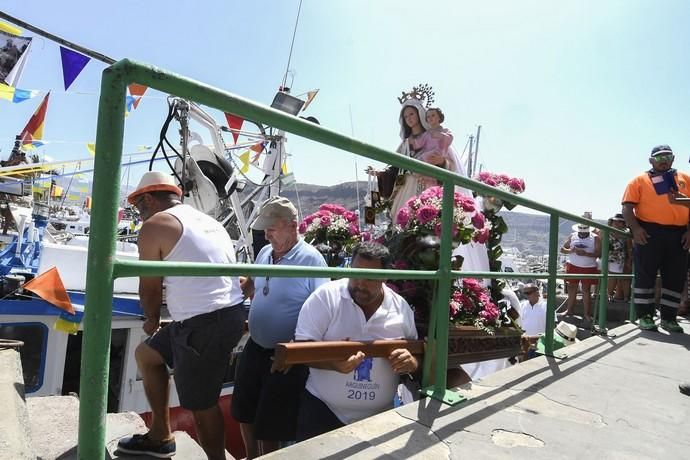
91,147
245,162
284,168
10,29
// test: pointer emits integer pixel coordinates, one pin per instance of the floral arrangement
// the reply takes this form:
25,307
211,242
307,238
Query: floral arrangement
334,226
503,182
421,216
471,305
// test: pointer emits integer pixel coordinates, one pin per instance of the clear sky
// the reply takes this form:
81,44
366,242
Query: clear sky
571,95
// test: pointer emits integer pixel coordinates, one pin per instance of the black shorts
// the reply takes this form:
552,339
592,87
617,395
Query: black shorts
199,351
268,400
315,418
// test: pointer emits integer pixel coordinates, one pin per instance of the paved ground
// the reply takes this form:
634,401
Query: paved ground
611,398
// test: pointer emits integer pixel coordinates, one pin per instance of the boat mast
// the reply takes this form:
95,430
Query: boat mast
469,157
476,150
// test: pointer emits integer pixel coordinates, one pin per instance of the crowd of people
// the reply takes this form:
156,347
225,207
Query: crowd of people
275,406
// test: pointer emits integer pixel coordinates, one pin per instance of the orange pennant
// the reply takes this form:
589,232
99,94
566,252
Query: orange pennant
137,91
48,286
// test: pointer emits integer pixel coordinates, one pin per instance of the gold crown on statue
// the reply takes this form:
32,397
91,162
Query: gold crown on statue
422,92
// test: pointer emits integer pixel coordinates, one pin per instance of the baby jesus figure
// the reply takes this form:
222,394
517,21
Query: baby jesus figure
434,144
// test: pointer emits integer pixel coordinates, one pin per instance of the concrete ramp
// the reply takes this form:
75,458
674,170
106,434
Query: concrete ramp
611,398
54,429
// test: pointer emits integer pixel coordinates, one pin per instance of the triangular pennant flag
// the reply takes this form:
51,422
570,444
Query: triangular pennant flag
33,131
21,95
258,147
310,97
10,29
245,162
129,103
284,168
72,65
48,286
234,123
91,147
137,91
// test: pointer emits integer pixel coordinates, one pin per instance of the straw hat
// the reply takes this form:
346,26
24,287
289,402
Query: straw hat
154,181
565,334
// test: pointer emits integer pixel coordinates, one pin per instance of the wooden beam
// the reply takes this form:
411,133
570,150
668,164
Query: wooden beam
287,354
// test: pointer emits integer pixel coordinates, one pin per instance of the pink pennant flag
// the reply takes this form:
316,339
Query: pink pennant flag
72,65
235,124
137,91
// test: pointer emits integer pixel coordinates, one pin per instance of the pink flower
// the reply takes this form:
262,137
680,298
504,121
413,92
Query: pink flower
454,308
482,236
438,229
325,221
467,204
490,181
426,214
503,178
466,303
412,203
471,283
490,313
309,219
516,185
432,192
303,227
403,217
478,220
366,236
353,228
484,175
350,216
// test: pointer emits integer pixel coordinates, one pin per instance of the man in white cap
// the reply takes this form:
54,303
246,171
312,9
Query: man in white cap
266,402
207,313
583,247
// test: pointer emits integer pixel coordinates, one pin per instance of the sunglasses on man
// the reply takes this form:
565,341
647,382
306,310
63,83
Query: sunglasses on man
659,158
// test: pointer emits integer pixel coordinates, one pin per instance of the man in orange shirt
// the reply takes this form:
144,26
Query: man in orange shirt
661,238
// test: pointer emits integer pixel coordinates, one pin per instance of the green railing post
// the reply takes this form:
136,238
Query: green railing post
442,301
93,384
553,269
603,282
430,350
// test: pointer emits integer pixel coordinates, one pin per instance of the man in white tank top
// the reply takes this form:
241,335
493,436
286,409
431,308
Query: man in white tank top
583,247
207,313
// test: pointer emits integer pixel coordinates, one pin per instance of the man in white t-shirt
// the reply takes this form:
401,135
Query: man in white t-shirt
342,392
532,311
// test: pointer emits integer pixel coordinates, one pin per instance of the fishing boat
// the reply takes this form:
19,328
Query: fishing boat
37,249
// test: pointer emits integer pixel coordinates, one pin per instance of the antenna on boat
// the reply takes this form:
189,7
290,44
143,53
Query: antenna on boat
470,161
476,149
359,211
292,44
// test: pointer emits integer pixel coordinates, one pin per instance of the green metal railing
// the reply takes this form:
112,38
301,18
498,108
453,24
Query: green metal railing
103,268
